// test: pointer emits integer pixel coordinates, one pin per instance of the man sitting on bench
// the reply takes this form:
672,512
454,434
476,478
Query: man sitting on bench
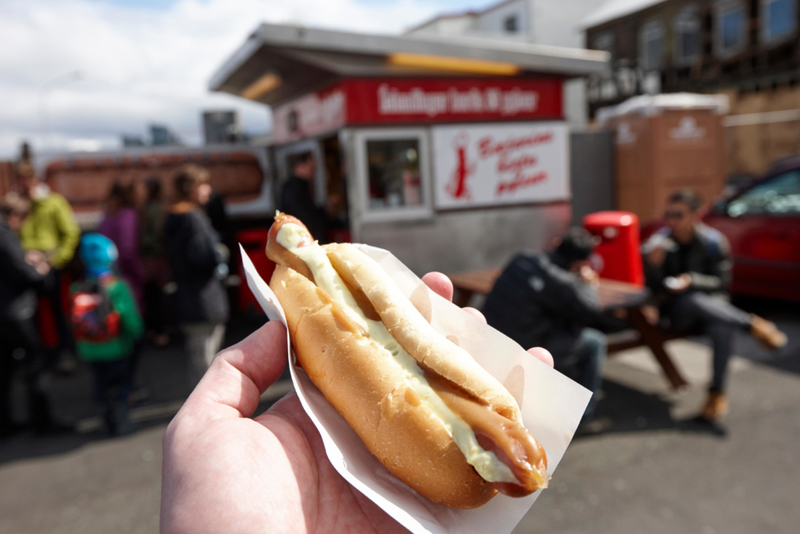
688,267
549,300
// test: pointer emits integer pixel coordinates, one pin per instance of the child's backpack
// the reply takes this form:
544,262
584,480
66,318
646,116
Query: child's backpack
93,315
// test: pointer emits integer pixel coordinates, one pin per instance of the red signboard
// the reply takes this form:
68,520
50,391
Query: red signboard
416,101
404,100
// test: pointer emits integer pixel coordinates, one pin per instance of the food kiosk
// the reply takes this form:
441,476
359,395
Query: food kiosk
451,152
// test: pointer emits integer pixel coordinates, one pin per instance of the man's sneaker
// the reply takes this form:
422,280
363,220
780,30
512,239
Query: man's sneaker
767,333
715,408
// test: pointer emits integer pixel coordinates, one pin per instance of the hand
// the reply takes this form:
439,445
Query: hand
38,261
678,284
650,313
589,276
226,472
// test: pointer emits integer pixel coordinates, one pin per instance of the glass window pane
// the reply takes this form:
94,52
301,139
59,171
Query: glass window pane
394,173
777,196
732,25
780,14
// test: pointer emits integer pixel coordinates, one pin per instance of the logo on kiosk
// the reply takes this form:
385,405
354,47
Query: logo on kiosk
687,129
497,164
457,187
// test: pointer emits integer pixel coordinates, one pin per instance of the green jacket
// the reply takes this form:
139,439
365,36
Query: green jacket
51,228
131,326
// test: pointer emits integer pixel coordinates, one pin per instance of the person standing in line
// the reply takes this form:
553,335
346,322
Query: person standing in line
19,282
50,233
107,326
688,267
296,198
154,263
120,224
198,266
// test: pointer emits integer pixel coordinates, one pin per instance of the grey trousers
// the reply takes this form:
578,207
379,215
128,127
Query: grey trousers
718,318
203,341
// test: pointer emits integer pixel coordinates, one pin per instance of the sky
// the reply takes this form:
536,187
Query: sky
77,74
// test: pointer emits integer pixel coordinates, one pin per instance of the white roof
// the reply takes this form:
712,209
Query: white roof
307,58
653,104
614,9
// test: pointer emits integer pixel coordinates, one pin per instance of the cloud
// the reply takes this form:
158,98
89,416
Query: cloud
141,66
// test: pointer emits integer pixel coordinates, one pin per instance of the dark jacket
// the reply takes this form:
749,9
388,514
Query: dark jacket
535,296
296,200
706,258
191,246
18,280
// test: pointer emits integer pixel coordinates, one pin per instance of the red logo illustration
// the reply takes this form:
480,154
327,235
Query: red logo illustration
458,183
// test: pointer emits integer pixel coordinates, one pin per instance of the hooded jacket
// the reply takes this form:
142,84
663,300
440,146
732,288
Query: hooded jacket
535,296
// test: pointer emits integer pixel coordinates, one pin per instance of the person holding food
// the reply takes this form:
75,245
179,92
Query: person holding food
550,300
225,471
198,264
688,267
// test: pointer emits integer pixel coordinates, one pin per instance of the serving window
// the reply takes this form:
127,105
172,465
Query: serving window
393,169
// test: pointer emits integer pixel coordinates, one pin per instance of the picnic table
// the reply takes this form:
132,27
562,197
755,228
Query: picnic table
613,295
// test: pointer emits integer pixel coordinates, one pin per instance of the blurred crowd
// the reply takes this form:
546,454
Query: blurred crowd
97,298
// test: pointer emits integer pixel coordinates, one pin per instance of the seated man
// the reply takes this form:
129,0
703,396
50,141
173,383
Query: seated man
688,267
549,300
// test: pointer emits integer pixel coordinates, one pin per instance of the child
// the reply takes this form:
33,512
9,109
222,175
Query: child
106,325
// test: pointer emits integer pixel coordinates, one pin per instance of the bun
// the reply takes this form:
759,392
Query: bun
421,405
401,433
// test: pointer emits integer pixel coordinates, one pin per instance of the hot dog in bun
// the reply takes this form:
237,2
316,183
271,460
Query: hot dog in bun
421,404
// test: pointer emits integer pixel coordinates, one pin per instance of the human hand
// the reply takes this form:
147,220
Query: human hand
226,472
38,261
678,284
589,276
651,314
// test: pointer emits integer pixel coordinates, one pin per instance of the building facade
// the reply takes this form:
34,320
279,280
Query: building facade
746,49
544,22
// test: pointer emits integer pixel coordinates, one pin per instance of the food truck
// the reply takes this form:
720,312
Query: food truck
451,152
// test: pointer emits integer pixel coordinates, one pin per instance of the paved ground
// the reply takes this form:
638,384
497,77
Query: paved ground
652,473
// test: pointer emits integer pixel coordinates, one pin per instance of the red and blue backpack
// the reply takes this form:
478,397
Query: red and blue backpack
94,318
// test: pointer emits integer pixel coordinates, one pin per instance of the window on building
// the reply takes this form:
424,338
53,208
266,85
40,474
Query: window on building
731,21
778,19
604,42
511,24
687,36
651,41
392,165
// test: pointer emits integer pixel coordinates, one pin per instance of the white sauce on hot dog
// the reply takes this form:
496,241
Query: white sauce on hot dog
485,462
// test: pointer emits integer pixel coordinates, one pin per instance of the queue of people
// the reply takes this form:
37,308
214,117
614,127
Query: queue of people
117,295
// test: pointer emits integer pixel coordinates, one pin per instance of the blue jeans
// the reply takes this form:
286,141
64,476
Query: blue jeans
581,356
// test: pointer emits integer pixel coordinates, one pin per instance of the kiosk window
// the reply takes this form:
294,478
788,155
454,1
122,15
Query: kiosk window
393,168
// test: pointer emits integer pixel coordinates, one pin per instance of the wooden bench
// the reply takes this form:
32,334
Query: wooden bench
613,295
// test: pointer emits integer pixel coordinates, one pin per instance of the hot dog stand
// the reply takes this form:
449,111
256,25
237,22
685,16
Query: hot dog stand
451,152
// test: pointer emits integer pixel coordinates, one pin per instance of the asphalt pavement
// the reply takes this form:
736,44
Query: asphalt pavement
653,471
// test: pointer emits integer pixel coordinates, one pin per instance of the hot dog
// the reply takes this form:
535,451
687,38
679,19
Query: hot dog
421,404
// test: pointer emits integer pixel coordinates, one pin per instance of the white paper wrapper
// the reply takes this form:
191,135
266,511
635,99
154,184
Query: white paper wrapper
551,404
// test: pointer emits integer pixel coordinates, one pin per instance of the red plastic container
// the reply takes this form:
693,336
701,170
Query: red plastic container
617,256
254,242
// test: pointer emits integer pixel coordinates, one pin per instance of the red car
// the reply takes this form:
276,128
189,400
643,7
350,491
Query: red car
762,223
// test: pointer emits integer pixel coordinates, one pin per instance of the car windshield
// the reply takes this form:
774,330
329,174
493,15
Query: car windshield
779,195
